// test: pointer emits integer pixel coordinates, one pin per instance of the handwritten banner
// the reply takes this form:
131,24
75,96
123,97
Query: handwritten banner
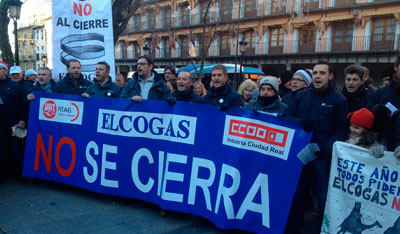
235,168
364,192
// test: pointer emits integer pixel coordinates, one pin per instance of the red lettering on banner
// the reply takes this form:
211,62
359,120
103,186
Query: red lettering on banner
71,143
396,203
258,132
87,9
40,149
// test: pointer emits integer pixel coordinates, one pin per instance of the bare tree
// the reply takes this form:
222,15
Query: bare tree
5,46
122,11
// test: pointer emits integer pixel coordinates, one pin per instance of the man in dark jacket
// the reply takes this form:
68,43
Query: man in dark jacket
221,94
12,109
16,75
102,85
323,110
354,90
268,100
73,82
301,80
145,83
184,91
44,83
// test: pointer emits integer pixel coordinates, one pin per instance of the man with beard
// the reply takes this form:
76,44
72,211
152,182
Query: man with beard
268,99
323,110
354,91
44,84
102,85
221,94
145,83
73,82
184,91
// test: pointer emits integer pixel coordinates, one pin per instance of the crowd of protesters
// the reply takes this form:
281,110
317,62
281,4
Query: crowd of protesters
357,113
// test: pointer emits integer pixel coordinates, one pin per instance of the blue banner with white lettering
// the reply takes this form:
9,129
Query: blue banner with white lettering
236,168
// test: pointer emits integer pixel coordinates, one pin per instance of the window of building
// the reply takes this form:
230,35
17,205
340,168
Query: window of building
250,8
278,6
307,39
205,7
344,2
184,45
167,16
225,43
276,40
383,33
225,9
313,4
251,39
151,18
166,47
185,14
342,36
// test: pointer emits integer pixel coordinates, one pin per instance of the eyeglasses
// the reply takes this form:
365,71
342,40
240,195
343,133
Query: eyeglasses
297,79
141,64
168,73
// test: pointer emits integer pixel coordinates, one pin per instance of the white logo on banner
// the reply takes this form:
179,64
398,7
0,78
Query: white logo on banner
62,111
262,137
82,30
176,128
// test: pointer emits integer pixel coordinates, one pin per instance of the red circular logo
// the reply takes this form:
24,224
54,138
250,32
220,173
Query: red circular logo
49,109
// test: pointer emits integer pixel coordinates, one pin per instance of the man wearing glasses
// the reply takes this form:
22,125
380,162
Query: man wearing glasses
301,80
145,83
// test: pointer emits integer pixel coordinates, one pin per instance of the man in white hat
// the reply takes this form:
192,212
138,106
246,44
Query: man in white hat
268,100
16,75
12,114
301,79
31,76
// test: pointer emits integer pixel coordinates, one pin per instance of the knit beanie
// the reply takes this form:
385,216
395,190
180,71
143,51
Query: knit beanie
3,64
363,118
305,75
270,80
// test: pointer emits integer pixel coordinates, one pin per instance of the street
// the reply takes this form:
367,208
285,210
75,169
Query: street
48,207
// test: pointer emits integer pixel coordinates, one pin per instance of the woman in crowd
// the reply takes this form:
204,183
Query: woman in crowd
246,89
199,89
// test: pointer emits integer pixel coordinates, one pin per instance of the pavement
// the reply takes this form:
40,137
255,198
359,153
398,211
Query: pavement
49,207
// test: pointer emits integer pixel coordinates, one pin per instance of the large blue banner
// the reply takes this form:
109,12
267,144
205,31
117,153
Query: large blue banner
236,168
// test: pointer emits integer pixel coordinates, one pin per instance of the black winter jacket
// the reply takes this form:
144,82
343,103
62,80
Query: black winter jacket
158,90
108,89
276,107
224,96
326,110
37,87
189,96
358,99
384,95
67,85
12,102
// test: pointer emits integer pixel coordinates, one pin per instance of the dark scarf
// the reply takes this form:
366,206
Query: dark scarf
266,101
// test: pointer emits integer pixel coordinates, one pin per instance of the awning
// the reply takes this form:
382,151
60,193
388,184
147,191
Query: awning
386,11
337,18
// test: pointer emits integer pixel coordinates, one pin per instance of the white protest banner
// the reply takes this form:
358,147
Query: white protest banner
83,30
364,192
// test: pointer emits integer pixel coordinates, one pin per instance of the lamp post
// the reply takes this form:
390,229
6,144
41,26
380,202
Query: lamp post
146,50
243,45
44,60
15,11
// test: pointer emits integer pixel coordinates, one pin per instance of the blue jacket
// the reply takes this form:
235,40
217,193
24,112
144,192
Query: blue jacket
224,96
291,96
158,90
326,110
108,89
13,102
276,107
37,87
67,85
384,95
186,97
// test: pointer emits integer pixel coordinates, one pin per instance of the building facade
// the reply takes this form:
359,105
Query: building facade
278,34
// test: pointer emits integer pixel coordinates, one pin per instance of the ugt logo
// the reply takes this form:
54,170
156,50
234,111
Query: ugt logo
49,109
86,9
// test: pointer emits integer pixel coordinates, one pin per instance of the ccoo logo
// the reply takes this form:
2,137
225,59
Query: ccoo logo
49,109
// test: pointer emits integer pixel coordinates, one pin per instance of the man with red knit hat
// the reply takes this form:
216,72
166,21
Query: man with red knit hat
12,100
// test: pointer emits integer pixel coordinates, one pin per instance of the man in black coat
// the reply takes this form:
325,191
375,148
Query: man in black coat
17,75
12,98
73,82
145,83
221,94
184,91
102,85
355,92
